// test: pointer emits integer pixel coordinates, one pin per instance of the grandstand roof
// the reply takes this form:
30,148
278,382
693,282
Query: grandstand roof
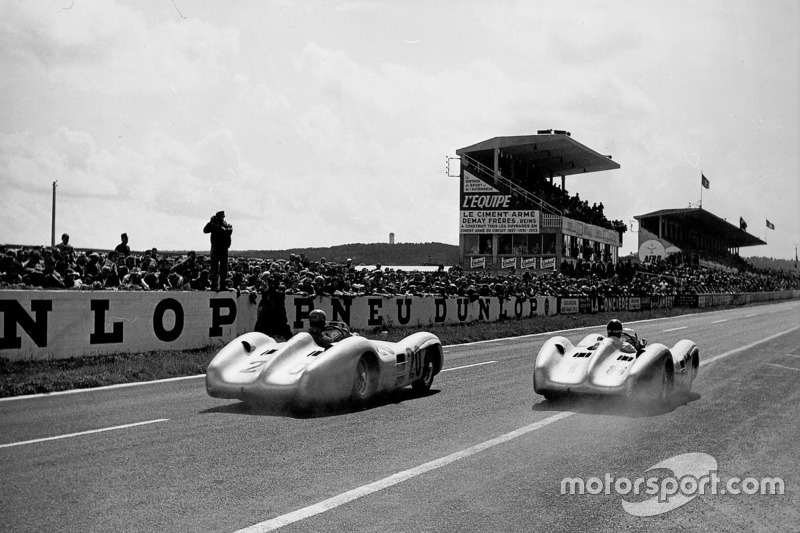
554,154
709,224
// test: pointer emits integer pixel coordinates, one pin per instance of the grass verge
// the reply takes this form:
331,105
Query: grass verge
34,377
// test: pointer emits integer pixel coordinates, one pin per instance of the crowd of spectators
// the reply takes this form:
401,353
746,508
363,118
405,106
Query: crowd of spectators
573,207
63,268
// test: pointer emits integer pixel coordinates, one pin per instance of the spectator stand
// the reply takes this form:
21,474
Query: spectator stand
693,236
514,217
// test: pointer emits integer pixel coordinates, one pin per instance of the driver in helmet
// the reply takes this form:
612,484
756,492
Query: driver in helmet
614,330
317,321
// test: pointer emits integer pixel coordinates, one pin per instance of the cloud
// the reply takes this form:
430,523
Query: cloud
109,47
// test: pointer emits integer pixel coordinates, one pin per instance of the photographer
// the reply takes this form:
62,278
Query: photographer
220,242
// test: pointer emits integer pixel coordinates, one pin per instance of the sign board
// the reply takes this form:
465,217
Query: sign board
652,251
485,209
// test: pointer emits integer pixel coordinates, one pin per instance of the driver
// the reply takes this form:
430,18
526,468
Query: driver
614,331
614,328
317,320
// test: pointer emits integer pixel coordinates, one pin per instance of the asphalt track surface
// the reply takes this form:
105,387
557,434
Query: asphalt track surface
480,452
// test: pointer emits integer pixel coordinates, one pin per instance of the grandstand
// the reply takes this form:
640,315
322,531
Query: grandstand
692,235
512,215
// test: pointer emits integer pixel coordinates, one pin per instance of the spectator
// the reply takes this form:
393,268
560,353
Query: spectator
202,282
122,248
188,268
65,249
220,242
134,281
272,319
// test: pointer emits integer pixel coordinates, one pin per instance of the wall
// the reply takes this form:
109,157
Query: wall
58,324
61,324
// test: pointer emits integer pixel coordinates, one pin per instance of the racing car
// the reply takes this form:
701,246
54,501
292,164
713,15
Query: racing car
617,364
256,369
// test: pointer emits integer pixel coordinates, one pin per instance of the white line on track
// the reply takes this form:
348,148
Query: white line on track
791,355
746,347
365,490
9,445
786,367
720,321
468,366
673,329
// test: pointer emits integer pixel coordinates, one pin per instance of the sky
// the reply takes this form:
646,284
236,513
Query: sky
317,123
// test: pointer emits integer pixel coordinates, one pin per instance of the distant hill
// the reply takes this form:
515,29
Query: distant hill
406,254
770,262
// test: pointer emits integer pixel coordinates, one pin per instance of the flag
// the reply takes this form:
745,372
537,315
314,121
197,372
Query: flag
770,225
704,181
742,224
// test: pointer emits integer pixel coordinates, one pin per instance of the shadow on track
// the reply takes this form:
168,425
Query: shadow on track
615,406
241,408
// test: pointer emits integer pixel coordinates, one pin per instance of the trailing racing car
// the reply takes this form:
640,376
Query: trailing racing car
254,368
619,363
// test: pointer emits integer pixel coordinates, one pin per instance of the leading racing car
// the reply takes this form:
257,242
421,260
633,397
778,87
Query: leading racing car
619,363
254,368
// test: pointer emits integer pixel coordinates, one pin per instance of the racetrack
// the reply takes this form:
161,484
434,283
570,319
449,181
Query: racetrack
481,452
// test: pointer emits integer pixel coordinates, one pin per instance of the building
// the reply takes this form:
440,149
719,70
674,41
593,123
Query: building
513,215
694,233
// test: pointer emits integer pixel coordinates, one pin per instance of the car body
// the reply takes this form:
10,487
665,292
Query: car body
254,368
623,365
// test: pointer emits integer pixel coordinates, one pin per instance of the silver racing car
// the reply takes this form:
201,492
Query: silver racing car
619,363
256,369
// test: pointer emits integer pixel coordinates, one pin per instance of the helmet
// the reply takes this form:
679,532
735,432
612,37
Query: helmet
614,328
318,319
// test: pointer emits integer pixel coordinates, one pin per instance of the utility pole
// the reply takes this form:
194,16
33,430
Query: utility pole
53,228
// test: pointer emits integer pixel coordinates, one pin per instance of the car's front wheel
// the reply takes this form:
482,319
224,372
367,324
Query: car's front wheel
552,396
424,383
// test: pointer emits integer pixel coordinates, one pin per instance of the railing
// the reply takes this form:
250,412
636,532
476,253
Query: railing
510,186
585,230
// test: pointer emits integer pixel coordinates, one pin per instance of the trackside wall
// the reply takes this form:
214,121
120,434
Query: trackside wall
61,324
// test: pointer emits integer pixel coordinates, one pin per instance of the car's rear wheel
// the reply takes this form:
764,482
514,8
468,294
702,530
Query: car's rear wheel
667,385
362,382
424,383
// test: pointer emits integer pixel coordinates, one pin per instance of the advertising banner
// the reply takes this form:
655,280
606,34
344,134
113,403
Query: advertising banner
529,262
686,300
484,209
568,306
477,262
61,324
507,221
549,263
740,299
509,262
